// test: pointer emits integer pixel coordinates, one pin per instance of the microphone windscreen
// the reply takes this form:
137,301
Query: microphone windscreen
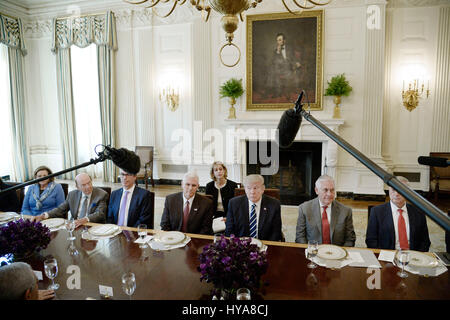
433,161
125,159
288,127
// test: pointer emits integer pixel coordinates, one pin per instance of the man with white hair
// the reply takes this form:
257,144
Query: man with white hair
254,214
86,204
397,225
188,211
18,282
324,219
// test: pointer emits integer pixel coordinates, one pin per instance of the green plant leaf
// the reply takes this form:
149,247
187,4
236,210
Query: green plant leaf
231,89
338,86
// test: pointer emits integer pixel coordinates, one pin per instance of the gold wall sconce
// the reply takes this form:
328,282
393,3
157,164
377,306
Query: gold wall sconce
171,97
411,96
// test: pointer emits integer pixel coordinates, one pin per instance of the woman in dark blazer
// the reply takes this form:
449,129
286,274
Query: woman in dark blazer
221,188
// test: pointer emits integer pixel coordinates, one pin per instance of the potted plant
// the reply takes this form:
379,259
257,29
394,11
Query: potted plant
232,263
337,87
231,89
22,238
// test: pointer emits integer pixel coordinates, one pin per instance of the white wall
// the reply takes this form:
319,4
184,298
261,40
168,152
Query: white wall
149,47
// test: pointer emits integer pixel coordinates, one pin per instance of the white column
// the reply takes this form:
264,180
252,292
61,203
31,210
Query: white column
374,69
441,110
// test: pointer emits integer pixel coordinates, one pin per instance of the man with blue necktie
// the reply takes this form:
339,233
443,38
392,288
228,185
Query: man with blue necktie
254,214
130,205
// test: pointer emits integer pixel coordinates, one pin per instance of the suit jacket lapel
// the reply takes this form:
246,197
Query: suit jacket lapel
179,207
389,220
133,205
412,223
245,213
118,199
194,209
334,219
317,217
93,195
263,212
77,204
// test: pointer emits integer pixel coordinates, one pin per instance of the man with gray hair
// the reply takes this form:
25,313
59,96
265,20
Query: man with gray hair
188,211
254,214
324,219
18,282
397,225
86,204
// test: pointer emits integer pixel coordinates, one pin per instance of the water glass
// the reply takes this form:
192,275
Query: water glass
128,283
70,226
243,294
51,271
402,259
142,234
313,248
217,237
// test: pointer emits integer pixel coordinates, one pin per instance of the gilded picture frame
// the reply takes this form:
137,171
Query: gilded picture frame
284,57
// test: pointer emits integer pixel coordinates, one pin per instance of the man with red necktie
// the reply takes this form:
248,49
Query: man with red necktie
324,219
397,225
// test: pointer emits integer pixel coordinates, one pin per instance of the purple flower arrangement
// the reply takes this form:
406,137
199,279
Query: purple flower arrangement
232,263
23,237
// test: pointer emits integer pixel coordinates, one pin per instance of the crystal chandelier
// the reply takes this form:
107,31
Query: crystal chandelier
230,9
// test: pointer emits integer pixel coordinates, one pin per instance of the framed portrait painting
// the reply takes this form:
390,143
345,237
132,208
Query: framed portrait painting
284,57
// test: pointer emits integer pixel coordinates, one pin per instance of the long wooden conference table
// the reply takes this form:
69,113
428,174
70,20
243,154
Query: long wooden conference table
173,275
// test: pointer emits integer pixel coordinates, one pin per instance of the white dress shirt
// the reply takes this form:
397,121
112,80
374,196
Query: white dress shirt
395,215
127,208
328,212
190,203
82,203
257,210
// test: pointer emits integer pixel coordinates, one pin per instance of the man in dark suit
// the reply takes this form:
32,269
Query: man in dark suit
131,205
188,211
8,200
397,225
254,214
86,203
324,219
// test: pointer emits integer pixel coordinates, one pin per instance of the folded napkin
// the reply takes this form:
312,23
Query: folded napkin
145,240
104,230
218,225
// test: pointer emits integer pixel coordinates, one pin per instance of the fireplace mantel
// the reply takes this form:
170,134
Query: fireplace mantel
307,132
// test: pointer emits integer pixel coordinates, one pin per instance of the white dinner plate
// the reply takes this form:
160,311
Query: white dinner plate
170,237
6,216
53,223
103,230
420,259
331,252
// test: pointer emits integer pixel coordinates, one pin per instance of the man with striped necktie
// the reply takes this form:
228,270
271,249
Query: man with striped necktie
254,214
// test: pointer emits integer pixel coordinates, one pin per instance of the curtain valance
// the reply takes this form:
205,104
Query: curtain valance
82,31
11,33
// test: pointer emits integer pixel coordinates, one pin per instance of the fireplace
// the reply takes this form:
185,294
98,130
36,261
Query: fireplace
299,168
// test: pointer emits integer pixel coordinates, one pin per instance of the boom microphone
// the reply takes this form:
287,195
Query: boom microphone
289,124
434,162
124,159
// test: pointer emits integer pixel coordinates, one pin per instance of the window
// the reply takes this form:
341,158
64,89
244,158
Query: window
86,105
6,159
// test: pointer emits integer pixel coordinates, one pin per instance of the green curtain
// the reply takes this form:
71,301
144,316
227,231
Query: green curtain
11,35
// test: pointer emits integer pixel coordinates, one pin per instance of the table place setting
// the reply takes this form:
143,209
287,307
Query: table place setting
419,263
54,224
168,240
6,217
100,232
327,255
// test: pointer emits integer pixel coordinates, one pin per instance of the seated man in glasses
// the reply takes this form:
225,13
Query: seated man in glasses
86,204
130,205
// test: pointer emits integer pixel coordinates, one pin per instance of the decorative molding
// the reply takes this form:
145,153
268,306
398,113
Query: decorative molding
38,29
415,3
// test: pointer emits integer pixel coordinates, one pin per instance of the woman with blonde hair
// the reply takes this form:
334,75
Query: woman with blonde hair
44,195
221,188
